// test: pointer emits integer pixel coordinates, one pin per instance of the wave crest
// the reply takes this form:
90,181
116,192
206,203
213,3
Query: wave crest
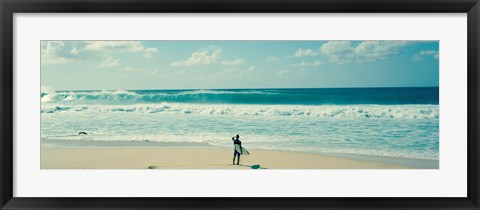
386,96
323,111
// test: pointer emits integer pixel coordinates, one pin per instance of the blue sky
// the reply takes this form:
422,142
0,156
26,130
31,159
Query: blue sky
131,65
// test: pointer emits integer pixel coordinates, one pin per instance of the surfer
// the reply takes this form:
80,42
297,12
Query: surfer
236,140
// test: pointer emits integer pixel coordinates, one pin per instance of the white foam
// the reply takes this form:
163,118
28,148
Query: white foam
320,111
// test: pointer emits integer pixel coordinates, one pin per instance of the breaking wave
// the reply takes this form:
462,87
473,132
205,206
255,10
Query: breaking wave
322,111
337,96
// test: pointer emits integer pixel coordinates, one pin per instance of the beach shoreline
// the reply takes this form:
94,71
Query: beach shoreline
156,155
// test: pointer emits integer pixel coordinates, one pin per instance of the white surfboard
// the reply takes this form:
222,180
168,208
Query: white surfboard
241,150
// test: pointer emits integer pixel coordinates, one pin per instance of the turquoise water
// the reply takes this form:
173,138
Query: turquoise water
394,122
301,96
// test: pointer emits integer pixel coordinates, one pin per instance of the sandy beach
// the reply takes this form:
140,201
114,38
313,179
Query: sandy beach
193,158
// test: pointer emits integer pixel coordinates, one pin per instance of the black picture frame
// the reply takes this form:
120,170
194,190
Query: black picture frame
10,7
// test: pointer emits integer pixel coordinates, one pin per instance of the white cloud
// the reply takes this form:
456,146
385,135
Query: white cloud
74,51
336,47
436,55
52,52
423,53
202,56
51,46
237,61
272,59
305,52
251,68
148,53
337,51
307,64
376,50
130,69
120,46
110,62
344,51
125,46
238,70
61,52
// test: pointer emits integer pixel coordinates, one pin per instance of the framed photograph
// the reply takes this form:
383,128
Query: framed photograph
239,105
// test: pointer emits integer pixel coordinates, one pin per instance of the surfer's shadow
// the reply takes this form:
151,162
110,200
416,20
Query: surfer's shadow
256,166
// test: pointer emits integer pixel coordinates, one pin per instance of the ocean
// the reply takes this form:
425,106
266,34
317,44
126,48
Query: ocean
389,122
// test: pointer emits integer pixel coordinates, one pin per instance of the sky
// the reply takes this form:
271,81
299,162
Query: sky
142,65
